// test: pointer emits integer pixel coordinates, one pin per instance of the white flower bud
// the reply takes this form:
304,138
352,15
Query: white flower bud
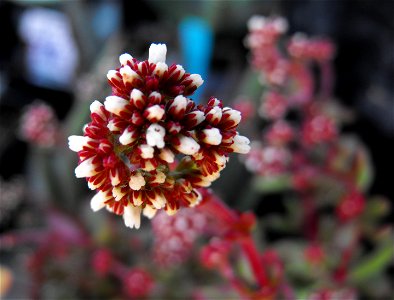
115,104
214,115
128,74
149,212
132,216
158,200
137,181
128,136
159,177
187,145
212,136
160,69
115,179
155,135
171,211
111,126
197,80
241,144
137,98
167,155
95,107
98,201
77,142
86,168
154,113
180,70
118,193
232,114
154,97
124,58
146,151
178,105
113,74
157,53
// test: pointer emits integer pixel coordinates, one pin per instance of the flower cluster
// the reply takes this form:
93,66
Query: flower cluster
267,57
288,76
174,237
149,146
303,151
39,125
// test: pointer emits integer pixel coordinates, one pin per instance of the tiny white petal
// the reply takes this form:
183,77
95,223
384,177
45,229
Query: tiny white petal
111,126
132,216
149,212
115,178
159,201
157,53
137,181
85,168
147,151
198,199
117,193
155,113
126,137
170,211
160,177
97,202
167,155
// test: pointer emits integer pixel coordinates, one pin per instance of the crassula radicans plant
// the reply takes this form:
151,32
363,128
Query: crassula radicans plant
149,146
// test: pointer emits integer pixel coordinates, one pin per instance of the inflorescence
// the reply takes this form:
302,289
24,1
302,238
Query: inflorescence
149,146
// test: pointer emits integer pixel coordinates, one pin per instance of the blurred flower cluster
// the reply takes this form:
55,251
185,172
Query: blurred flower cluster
320,175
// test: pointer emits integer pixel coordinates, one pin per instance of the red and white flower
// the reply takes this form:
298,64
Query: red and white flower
149,146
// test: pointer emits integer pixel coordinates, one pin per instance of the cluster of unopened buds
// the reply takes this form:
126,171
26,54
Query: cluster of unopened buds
149,146
39,125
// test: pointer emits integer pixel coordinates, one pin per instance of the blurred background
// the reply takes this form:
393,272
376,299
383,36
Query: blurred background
54,58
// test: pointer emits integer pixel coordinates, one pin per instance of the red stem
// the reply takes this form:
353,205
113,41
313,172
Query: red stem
220,211
253,256
237,285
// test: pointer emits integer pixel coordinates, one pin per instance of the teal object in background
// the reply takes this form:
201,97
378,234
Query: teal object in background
196,40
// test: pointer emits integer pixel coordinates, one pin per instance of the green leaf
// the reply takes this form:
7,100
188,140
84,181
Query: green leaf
373,264
272,184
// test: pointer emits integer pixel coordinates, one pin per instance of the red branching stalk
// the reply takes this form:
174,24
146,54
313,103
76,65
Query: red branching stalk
238,231
253,257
